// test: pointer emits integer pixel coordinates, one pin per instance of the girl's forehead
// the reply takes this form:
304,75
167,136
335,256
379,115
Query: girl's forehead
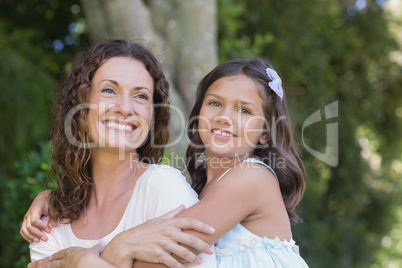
237,86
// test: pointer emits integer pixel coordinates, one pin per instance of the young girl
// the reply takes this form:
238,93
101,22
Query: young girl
244,166
252,173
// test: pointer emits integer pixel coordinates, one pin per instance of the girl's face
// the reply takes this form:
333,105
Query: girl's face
231,121
121,104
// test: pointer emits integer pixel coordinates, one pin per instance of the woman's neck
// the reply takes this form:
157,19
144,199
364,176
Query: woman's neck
112,175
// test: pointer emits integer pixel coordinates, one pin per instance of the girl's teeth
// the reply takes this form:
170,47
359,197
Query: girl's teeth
225,134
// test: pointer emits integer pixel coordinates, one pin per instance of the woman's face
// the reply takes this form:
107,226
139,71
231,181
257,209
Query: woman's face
121,104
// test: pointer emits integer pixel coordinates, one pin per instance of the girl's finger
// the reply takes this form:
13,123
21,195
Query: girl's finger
28,237
35,232
52,223
38,223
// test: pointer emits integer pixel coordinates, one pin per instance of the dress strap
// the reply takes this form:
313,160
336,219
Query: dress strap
223,174
253,160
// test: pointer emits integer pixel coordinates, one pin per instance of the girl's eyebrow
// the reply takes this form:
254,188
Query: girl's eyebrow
213,95
246,103
117,84
239,102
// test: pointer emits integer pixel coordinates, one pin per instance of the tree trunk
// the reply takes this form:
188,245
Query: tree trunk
181,33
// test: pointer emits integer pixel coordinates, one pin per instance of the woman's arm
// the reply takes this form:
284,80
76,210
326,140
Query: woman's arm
76,257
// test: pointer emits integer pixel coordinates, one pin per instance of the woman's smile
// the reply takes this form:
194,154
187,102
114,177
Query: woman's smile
119,125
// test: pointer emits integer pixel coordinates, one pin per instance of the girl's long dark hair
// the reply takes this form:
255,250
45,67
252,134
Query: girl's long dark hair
71,164
291,173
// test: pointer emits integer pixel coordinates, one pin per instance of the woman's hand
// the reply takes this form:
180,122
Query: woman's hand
155,241
73,257
32,225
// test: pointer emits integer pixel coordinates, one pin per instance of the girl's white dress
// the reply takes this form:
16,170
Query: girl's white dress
240,248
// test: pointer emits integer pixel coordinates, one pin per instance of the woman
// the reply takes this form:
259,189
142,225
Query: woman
106,167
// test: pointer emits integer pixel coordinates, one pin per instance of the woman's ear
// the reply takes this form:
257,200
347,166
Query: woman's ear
265,137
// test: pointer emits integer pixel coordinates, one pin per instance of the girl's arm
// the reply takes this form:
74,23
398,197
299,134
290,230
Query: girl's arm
33,225
241,192
244,191
148,242
155,240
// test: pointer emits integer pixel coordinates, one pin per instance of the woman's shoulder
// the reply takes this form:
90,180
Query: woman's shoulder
163,175
166,171
166,187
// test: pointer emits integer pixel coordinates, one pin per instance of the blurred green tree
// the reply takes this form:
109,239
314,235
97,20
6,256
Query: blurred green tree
37,40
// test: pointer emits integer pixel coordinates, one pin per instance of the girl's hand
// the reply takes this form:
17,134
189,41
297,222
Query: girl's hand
32,225
73,257
155,241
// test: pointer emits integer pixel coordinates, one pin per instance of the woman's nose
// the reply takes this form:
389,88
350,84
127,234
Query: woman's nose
124,106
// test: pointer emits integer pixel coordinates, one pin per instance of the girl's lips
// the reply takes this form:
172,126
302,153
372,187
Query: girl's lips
119,125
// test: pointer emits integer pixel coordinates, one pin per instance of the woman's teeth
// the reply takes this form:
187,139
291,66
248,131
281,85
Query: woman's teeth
222,133
115,125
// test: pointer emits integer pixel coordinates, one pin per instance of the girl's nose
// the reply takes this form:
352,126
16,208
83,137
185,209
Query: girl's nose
224,120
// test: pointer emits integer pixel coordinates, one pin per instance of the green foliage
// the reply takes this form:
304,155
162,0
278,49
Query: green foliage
26,95
19,192
29,68
325,55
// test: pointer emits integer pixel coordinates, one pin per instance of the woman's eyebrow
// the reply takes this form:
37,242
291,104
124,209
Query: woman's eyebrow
117,83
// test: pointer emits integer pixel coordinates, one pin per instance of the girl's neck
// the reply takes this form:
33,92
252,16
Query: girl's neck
112,174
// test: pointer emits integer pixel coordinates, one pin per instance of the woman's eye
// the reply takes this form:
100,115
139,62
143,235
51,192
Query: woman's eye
142,96
108,90
244,111
214,103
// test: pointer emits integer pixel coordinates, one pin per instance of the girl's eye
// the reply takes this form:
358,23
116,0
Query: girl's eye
214,103
244,111
142,96
108,90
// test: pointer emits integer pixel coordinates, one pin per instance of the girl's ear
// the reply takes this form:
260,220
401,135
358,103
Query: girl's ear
265,137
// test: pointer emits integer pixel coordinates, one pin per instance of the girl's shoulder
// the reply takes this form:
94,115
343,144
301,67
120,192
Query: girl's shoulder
251,169
250,176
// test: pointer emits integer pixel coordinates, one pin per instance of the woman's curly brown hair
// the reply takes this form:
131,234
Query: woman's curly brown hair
71,154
